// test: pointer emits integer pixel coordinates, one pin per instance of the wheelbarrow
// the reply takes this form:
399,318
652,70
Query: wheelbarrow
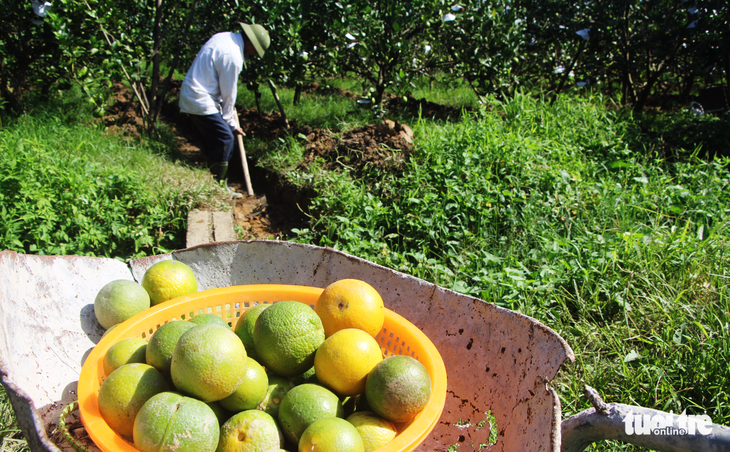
500,363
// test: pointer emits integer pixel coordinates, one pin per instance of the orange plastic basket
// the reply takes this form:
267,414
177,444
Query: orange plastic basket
398,337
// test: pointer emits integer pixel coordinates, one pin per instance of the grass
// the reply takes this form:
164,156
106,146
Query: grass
610,229
11,437
568,214
69,188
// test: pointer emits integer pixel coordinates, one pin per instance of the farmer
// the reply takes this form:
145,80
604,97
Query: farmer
208,93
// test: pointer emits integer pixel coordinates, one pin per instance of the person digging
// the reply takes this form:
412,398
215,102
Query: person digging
208,93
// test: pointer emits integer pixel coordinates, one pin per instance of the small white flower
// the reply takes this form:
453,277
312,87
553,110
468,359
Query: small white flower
350,37
518,21
560,69
426,49
456,8
583,33
449,17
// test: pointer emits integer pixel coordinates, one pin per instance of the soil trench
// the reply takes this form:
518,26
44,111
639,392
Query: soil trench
276,207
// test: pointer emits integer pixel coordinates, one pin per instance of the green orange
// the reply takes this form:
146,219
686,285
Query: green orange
250,431
169,421
209,319
286,337
125,391
375,431
168,279
398,388
162,344
305,404
252,390
331,435
208,363
245,326
118,301
275,392
126,351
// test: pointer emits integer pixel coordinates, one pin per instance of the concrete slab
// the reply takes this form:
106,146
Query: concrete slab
223,230
205,226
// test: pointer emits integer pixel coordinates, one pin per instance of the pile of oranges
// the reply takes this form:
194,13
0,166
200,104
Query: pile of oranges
283,377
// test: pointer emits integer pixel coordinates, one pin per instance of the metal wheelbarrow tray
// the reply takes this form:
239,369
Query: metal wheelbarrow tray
497,360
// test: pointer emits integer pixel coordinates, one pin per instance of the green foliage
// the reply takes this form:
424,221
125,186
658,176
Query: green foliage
11,437
383,42
565,213
69,189
27,54
485,43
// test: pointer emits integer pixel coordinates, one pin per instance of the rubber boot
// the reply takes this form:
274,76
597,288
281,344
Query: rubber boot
219,171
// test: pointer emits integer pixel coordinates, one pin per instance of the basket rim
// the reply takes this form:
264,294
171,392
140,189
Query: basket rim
109,441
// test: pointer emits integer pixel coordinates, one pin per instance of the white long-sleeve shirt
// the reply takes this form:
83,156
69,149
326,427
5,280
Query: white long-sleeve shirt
211,84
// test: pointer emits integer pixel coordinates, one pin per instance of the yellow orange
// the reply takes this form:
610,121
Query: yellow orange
345,359
350,303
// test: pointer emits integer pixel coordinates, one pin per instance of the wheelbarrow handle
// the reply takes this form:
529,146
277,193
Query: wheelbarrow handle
643,427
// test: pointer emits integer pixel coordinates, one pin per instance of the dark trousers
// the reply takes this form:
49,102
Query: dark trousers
217,137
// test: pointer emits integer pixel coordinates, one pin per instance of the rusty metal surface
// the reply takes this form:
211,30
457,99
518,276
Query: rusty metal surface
497,360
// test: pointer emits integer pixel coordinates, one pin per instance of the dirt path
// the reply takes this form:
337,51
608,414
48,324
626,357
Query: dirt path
276,208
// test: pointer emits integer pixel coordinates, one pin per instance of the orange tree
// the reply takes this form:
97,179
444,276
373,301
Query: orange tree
384,43
90,43
486,43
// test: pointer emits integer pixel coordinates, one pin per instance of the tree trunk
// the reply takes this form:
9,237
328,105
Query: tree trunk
568,70
156,39
278,102
297,93
166,85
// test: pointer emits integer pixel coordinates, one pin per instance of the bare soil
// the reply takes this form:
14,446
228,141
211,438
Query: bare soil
276,206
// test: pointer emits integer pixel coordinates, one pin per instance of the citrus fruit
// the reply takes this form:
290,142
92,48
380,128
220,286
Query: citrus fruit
252,390
350,303
398,388
208,363
245,325
109,330
168,279
171,421
375,431
219,411
126,351
123,393
162,344
118,301
250,431
208,319
345,359
331,435
308,376
276,390
286,336
305,404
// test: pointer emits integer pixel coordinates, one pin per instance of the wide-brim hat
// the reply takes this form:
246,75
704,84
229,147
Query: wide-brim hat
258,36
